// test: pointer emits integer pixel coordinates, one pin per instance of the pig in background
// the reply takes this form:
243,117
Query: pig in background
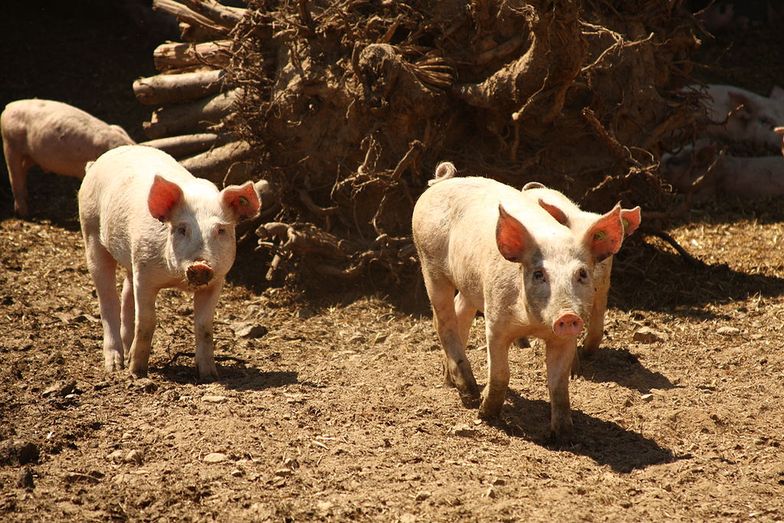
141,209
484,246
55,136
751,177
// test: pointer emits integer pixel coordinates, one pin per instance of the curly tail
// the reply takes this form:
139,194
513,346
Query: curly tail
444,171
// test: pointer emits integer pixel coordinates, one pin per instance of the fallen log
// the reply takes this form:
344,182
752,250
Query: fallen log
177,88
190,17
176,55
222,15
182,146
214,164
195,116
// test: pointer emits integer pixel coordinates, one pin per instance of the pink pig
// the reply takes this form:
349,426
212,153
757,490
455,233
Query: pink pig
56,137
141,209
569,214
504,255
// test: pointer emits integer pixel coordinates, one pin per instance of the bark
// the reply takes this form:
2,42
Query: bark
194,116
214,164
175,55
182,146
177,88
188,16
220,14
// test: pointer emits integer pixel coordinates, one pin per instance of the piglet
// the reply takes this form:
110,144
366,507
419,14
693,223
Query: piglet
56,137
485,246
141,209
567,213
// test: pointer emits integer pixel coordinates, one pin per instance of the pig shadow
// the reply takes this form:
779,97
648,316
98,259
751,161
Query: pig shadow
52,200
621,366
605,442
236,375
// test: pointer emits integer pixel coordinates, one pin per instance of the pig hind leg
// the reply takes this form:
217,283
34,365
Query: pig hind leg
128,312
457,368
17,164
102,268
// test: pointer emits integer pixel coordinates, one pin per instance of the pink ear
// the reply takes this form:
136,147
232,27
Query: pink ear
242,199
605,236
631,219
511,236
555,212
163,198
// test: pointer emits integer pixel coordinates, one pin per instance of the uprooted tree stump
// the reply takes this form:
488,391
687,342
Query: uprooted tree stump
347,107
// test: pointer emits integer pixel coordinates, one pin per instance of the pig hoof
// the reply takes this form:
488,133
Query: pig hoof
490,408
138,371
470,400
562,439
208,377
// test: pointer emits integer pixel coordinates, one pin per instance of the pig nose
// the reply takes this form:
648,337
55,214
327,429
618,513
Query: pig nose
568,324
199,273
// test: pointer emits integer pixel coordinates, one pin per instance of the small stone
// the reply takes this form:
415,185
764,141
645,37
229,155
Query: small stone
101,385
646,397
324,506
249,330
491,493
728,331
463,430
282,473
498,482
116,456
26,480
61,389
649,335
134,457
237,473
215,457
408,518
143,384
210,398
423,495
291,463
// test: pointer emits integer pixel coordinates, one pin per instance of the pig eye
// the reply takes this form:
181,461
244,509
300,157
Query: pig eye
181,230
582,275
221,230
538,276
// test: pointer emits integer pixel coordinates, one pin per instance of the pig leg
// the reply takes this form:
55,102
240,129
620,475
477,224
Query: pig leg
457,368
494,393
17,165
204,302
102,268
128,312
144,300
558,360
465,317
596,323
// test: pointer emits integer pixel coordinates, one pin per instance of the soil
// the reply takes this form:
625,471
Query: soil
336,411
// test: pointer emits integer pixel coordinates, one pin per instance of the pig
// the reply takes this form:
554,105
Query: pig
56,137
141,209
484,246
567,213
738,115
753,177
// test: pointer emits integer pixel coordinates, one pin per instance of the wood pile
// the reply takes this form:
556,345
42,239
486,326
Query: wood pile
193,100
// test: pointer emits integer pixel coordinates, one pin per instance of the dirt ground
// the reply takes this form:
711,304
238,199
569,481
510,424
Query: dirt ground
336,411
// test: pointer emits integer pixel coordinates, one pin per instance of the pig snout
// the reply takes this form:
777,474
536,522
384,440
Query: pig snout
568,324
199,273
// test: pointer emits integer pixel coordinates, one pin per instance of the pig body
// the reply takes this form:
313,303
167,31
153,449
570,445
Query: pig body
55,136
141,209
753,123
530,275
566,212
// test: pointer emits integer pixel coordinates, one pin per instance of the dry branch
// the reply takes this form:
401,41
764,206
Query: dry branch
194,116
190,17
187,145
177,88
175,55
214,164
220,14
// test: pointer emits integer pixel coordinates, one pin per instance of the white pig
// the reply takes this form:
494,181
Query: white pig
530,275
141,209
738,115
56,137
569,214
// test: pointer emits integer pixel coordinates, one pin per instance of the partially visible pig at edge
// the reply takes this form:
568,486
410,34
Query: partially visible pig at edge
55,136
141,209
483,246
738,115
567,213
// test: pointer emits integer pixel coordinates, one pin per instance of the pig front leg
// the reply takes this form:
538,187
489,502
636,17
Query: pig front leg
102,269
558,359
494,393
599,307
204,302
144,325
17,165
